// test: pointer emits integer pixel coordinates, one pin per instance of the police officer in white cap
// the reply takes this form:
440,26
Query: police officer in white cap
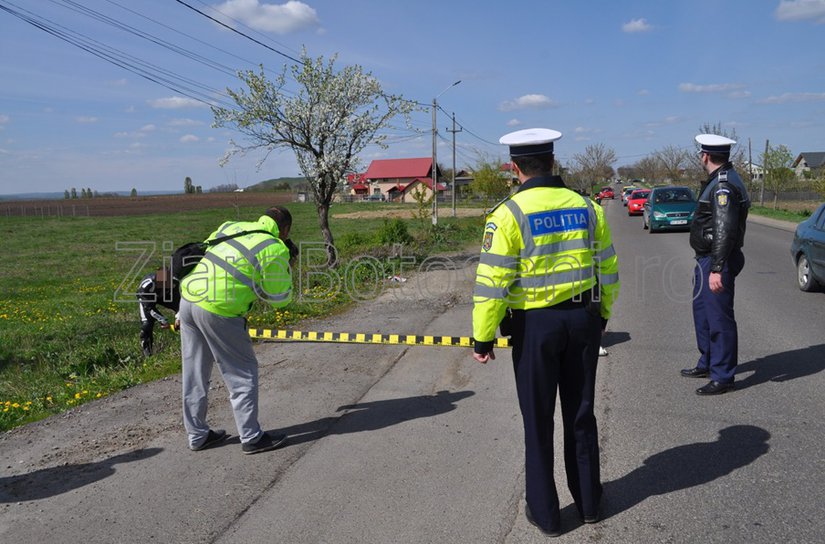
717,235
547,257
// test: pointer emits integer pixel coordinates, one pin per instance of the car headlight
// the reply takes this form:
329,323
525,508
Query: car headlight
658,215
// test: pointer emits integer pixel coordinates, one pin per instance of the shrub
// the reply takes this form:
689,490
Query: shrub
394,231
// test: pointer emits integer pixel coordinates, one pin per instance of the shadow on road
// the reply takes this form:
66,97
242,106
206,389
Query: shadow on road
686,466
53,481
782,367
612,338
370,416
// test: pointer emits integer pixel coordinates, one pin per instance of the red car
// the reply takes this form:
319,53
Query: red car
636,201
607,192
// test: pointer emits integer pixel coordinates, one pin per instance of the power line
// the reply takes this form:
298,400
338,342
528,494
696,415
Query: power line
247,36
148,71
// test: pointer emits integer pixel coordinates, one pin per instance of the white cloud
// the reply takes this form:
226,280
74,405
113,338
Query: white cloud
85,120
637,25
801,10
513,123
4,119
528,101
117,82
147,128
185,123
175,102
712,88
794,97
281,19
189,138
643,92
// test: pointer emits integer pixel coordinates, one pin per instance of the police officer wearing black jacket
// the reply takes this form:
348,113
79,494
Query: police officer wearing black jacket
717,235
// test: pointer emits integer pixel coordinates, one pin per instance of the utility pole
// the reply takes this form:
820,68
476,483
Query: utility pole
435,168
454,131
435,158
764,174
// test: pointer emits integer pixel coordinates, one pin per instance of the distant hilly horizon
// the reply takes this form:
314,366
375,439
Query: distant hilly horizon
266,185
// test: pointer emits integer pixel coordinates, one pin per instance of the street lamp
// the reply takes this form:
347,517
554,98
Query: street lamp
435,161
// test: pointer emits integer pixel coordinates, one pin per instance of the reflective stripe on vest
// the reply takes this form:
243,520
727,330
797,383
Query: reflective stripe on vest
245,280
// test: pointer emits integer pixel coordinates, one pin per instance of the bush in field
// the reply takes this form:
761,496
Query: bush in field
394,231
352,241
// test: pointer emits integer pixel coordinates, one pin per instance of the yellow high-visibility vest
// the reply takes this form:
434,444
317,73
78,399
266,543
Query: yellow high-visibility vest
543,245
233,274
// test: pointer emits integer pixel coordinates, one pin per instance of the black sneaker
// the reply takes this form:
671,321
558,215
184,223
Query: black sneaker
266,442
212,439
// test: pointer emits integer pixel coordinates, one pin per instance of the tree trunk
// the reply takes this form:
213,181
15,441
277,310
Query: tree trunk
323,221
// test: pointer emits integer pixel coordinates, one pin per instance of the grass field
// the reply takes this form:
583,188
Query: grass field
69,321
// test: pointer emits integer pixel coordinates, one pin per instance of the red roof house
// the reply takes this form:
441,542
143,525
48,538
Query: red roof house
386,174
424,185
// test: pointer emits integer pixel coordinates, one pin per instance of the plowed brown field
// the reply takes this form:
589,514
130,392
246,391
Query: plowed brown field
141,205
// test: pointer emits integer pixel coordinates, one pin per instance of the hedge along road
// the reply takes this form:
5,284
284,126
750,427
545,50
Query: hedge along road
421,444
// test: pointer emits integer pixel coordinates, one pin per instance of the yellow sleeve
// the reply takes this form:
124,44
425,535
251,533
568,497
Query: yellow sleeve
606,264
496,271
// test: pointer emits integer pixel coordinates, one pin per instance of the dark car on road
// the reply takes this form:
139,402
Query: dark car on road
808,251
668,208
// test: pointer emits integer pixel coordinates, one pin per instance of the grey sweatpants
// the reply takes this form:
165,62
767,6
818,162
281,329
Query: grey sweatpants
207,338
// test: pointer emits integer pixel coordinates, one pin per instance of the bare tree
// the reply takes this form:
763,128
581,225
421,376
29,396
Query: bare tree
596,163
649,169
331,118
672,161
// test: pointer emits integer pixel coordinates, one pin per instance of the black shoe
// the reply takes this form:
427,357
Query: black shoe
715,388
212,439
529,516
695,372
266,442
591,519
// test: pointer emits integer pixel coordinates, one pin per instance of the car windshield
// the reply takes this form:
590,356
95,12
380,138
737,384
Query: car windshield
639,194
679,194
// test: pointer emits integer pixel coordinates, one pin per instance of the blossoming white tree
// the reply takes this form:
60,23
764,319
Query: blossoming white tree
333,116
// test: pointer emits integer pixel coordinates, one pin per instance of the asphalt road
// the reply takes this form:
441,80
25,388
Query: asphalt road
421,444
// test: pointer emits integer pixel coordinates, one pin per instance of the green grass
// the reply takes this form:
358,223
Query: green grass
783,214
66,337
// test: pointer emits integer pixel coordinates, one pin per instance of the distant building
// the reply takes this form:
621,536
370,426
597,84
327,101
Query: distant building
809,161
390,177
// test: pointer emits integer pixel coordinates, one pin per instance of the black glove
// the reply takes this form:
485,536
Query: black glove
293,249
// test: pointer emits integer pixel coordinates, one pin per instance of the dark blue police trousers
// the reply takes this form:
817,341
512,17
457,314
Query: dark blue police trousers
558,348
713,318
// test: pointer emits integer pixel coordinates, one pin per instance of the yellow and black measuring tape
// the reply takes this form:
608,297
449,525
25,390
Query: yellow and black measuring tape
370,338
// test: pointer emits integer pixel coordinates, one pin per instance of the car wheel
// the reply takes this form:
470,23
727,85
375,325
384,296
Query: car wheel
803,274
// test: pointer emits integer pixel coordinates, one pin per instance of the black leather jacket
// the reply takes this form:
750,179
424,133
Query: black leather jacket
718,225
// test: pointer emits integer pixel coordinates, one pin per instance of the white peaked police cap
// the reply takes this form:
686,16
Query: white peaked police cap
530,141
713,143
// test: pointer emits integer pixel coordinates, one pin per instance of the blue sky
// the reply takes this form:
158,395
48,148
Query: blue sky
636,76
